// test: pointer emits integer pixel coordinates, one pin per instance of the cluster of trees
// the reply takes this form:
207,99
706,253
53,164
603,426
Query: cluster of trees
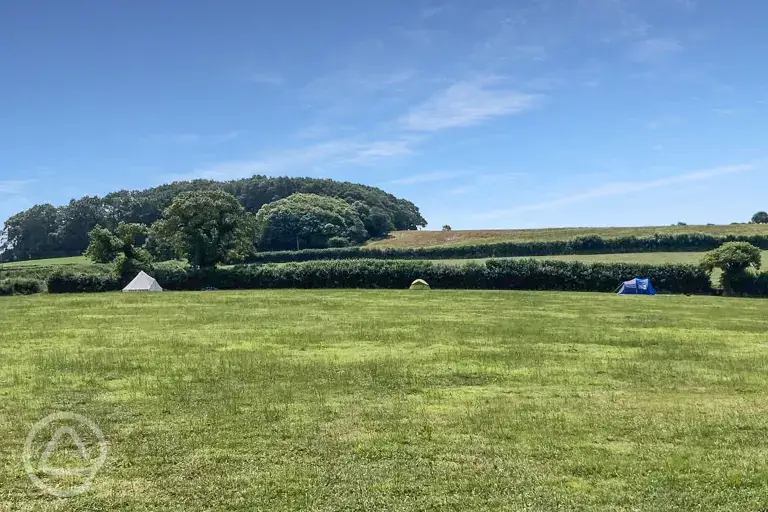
760,218
45,231
211,226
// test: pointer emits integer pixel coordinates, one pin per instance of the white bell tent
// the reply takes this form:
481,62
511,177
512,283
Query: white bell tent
143,283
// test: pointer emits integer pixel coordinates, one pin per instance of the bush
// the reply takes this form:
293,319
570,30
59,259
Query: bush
591,244
750,284
338,241
20,286
73,282
171,265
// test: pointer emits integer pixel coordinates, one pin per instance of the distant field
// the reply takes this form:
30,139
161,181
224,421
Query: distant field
394,400
432,238
73,260
634,257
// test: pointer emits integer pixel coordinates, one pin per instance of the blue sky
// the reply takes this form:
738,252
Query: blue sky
486,114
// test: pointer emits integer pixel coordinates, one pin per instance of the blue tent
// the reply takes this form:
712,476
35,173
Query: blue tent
637,286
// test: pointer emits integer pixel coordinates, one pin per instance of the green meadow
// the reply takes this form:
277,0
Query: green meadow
394,400
72,260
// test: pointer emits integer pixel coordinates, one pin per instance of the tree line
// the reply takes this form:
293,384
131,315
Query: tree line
47,231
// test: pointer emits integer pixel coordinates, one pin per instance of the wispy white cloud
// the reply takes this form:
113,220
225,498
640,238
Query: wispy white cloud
621,189
195,138
654,48
314,131
421,36
13,187
467,103
460,190
688,5
372,151
305,159
428,177
267,78
434,10
663,122
484,180
355,83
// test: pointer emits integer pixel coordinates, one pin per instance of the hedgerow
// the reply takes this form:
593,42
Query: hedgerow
525,274
64,281
20,286
749,284
593,244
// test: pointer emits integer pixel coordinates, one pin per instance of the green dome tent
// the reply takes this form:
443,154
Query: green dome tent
419,284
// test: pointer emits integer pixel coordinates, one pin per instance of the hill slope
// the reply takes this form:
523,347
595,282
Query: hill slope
426,238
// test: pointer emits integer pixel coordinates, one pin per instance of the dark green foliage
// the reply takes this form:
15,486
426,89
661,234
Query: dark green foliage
493,274
126,240
75,222
45,231
750,284
309,221
32,234
337,242
122,248
593,244
760,218
171,265
75,282
20,286
735,259
127,268
103,246
206,228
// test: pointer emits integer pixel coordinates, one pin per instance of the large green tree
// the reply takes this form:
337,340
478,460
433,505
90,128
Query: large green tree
32,234
305,221
760,218
123,246
206,228
106,245
734,259
76,220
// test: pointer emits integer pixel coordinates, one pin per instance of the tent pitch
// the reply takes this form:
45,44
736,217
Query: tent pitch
637,286
419,284
143,283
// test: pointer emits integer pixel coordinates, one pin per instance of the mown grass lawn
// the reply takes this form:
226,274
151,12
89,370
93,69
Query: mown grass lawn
395,400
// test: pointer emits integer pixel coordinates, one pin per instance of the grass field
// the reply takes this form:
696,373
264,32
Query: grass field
433,238
73,260
390,400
